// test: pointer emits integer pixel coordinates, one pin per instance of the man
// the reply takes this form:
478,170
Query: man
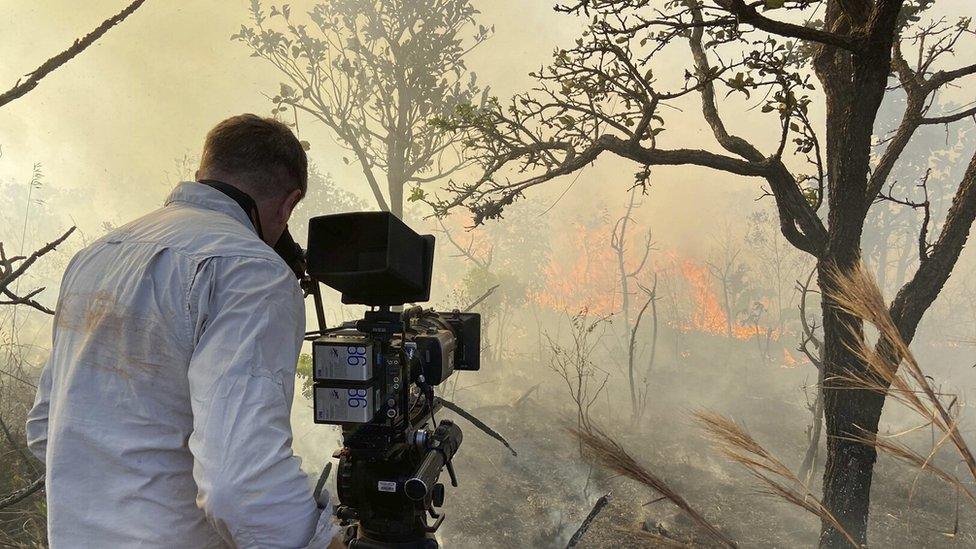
163,414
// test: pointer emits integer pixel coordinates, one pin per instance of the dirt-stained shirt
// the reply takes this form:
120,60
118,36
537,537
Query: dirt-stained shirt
163,413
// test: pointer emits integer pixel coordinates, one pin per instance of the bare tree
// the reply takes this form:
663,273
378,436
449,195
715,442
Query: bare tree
639,392
778,264
732,275
812,347
377,73
618,243
24,476
602,97
628,275
574,364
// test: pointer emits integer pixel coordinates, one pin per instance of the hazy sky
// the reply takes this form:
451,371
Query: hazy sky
113,122
119,115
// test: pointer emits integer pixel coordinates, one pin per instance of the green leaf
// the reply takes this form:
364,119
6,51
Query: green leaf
416,194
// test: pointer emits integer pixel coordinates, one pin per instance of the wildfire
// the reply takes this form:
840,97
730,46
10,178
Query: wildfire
584,273
589,281
788,360
708,314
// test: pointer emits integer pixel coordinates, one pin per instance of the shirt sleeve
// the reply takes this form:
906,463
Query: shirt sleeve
37,419
248,322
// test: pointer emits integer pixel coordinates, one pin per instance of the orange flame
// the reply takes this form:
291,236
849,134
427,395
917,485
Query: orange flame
708,316
583,273
788,360
588,282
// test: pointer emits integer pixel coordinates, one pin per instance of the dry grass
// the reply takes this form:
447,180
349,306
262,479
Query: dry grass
777,479
657,539
606,452
893,370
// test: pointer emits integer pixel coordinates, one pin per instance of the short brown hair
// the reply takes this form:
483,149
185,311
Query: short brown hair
262,151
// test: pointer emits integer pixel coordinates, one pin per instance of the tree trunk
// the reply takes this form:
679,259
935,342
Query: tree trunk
810,461
396,198
850,413
854,87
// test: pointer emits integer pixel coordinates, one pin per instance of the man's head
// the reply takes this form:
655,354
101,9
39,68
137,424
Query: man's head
261,157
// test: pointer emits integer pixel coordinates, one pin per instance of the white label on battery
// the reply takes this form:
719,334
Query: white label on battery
345,404
346,357
386,486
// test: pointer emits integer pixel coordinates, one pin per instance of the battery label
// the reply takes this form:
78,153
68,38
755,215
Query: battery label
343,357
345,404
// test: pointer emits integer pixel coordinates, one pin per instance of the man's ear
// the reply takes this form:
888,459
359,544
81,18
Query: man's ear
289,203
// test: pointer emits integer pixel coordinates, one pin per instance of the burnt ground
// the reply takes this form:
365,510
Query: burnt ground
539,498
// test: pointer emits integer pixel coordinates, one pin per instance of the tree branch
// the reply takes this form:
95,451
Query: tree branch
950,118
23,493
732,143
9,273
679,157
747,14
944,77
917,295
34,78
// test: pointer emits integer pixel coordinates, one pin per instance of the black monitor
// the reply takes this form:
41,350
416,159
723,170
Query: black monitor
372,258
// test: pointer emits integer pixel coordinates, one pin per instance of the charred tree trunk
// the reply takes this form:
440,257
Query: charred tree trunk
854,86
849,413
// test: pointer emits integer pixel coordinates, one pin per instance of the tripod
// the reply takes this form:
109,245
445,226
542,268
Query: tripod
392,510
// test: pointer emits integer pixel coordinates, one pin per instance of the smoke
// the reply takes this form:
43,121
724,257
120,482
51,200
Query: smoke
114,131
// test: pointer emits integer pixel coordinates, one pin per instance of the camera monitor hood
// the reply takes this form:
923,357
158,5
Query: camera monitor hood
372,258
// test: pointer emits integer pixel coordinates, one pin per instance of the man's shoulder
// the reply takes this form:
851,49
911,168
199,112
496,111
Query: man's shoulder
196,233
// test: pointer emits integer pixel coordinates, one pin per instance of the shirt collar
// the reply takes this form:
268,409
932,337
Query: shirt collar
204,196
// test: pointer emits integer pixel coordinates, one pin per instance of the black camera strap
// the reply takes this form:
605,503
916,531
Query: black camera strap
243,200
286,247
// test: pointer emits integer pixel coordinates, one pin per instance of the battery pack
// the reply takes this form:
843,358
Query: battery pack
342,356
340,405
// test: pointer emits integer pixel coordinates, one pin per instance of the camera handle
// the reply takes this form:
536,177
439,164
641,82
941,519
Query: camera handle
443,444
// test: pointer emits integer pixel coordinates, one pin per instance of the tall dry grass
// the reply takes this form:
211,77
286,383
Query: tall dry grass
605,451
893,370
777,479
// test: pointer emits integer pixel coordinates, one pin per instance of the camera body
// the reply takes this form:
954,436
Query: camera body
375,376
357,377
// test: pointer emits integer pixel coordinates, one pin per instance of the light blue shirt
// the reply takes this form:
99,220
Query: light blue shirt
163,413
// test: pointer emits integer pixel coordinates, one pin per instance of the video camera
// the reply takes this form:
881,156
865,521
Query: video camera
375,376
